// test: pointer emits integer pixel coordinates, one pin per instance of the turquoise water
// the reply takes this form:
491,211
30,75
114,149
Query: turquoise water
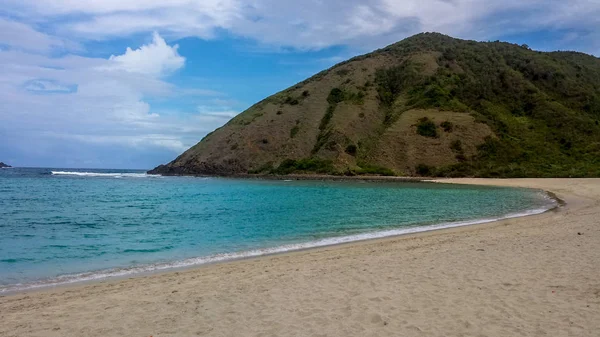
74,225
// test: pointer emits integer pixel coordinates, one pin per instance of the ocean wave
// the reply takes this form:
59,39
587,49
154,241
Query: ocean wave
150,250
124,272
98,174
16,260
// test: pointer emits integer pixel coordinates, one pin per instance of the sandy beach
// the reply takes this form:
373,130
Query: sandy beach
531,276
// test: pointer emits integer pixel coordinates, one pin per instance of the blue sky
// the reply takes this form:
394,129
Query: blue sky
133,83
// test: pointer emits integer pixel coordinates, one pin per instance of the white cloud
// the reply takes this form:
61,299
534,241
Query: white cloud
115,18
52,106
22,36
140,141
155,59
55,7
312,23
45,86
208,114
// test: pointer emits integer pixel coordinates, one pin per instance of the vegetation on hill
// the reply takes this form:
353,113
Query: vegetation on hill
429,105
543,107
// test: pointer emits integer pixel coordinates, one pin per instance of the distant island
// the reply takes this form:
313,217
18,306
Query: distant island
2,165
430,105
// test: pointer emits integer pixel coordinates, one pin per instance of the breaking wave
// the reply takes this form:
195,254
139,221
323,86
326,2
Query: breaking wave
98,174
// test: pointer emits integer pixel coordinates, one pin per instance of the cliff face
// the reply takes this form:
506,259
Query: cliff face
428,105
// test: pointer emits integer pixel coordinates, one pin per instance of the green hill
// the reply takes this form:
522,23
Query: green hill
429,105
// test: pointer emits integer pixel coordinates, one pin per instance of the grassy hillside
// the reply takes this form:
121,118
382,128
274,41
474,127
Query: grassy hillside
429,105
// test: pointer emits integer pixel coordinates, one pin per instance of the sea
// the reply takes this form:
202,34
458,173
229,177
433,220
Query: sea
61,226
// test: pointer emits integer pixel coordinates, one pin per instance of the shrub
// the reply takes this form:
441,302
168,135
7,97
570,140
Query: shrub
374,169
349,172
461,169
265,141
391,81
351,149
389,84
427,128
342,72
456,146
294,131
291,101
267,167
436,95
336,95
327,117
447,126
305,93
279,112
322,139
315,165
287,166
356,98
424,170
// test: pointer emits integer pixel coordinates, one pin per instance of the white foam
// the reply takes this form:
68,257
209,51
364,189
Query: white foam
113,175
111,273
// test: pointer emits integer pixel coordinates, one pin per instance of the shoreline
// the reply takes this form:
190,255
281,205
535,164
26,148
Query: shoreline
301,177
116,274
530,275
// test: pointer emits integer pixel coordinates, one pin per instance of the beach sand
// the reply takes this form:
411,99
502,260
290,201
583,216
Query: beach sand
532,276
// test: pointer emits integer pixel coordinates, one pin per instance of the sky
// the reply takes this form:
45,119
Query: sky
133,83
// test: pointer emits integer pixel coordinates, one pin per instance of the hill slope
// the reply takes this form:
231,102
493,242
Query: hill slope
428,105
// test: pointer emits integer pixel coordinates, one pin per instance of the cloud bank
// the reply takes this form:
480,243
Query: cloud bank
51,103
311,23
